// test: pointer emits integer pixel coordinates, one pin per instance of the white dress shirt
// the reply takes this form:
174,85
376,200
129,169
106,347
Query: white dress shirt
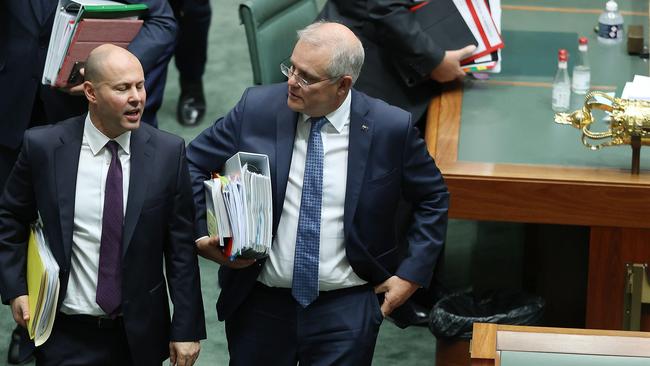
334,270
94,160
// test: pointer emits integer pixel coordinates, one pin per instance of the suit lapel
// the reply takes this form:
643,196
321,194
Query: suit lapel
141,162
285,135
361,130
66,165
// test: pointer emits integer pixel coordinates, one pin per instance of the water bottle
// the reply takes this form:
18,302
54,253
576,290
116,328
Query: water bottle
581,77
561,84
610,24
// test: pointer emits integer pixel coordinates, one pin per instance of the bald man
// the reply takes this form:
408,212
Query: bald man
340,161
115,199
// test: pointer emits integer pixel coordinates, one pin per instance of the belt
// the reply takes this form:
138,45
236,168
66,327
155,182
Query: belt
321,294
97,322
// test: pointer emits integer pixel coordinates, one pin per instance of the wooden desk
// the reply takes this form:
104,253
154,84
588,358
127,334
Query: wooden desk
609,200
496,344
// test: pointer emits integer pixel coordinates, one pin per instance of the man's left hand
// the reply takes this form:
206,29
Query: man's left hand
77,90
183,353
396,291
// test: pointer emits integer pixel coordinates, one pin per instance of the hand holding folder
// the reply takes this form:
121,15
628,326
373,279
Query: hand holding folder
79,27
239,207
42,286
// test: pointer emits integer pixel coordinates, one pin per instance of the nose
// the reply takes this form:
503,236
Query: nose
134,95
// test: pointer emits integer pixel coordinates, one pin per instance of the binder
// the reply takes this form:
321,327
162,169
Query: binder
239,206
42,286
454,24
79,27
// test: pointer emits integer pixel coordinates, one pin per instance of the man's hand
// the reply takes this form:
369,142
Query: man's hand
450,69
77,90
20,310
183,353
396,291
209,248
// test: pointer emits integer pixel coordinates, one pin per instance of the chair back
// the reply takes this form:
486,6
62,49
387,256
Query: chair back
271,27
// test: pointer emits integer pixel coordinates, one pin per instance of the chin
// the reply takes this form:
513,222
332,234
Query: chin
294,105
129,126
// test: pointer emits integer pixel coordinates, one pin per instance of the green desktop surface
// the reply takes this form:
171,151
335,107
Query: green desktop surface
505,121
512,358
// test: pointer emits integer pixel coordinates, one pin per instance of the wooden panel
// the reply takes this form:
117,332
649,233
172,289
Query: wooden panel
554,340
609,250
547,200
593,344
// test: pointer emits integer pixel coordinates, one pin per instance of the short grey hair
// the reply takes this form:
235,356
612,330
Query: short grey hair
347,57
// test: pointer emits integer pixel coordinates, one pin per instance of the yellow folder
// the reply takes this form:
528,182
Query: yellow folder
42,286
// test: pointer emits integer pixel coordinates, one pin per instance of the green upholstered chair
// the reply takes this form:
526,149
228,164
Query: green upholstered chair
271,27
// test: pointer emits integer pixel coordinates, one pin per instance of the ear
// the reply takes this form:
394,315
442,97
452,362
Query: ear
89,91
344,85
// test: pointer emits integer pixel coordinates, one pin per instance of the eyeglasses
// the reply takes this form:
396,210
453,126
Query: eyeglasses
288,70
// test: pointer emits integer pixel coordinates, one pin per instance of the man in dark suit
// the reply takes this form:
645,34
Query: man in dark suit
388,31
114,197
339,162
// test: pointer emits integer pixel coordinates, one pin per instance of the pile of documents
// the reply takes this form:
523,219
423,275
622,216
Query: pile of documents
638,88
79,27
42,286
239,206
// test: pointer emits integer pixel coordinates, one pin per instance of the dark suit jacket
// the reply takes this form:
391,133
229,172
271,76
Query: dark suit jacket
158,223
388,30
386,161
25,28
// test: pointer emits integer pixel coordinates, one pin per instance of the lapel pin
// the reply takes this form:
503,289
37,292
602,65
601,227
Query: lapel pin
364,128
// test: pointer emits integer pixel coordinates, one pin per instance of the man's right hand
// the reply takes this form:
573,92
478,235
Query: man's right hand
209,248
450,69
20,310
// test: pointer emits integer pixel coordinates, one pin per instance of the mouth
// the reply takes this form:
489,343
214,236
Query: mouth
293,95
133,115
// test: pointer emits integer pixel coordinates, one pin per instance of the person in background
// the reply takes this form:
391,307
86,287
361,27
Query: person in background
388,30
115,200
340,161
193,18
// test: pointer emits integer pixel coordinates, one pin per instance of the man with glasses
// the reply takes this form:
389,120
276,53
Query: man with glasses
340,161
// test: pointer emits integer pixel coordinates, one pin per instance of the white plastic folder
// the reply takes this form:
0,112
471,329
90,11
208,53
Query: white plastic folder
42,286
240,207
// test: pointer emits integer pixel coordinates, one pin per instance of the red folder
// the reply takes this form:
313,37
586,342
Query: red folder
89,34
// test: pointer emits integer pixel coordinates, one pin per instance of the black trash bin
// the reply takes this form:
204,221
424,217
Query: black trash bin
453,316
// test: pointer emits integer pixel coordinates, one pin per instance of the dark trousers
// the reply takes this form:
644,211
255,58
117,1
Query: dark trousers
339,328
84,340
193,18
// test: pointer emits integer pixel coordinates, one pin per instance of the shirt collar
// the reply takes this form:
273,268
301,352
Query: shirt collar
97,140
340,117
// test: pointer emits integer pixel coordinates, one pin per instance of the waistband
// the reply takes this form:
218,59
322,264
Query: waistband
321,294
97,322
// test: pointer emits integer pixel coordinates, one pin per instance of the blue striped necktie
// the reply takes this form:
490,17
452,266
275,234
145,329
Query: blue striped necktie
305,266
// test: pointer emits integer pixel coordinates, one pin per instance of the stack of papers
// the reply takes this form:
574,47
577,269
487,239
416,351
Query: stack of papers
42,286
80,26
638,88
239,206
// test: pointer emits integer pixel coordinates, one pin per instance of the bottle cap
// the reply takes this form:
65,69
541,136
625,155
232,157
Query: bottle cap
611,5
583,40
562,55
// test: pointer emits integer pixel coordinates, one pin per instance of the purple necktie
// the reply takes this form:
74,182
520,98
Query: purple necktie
109,279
